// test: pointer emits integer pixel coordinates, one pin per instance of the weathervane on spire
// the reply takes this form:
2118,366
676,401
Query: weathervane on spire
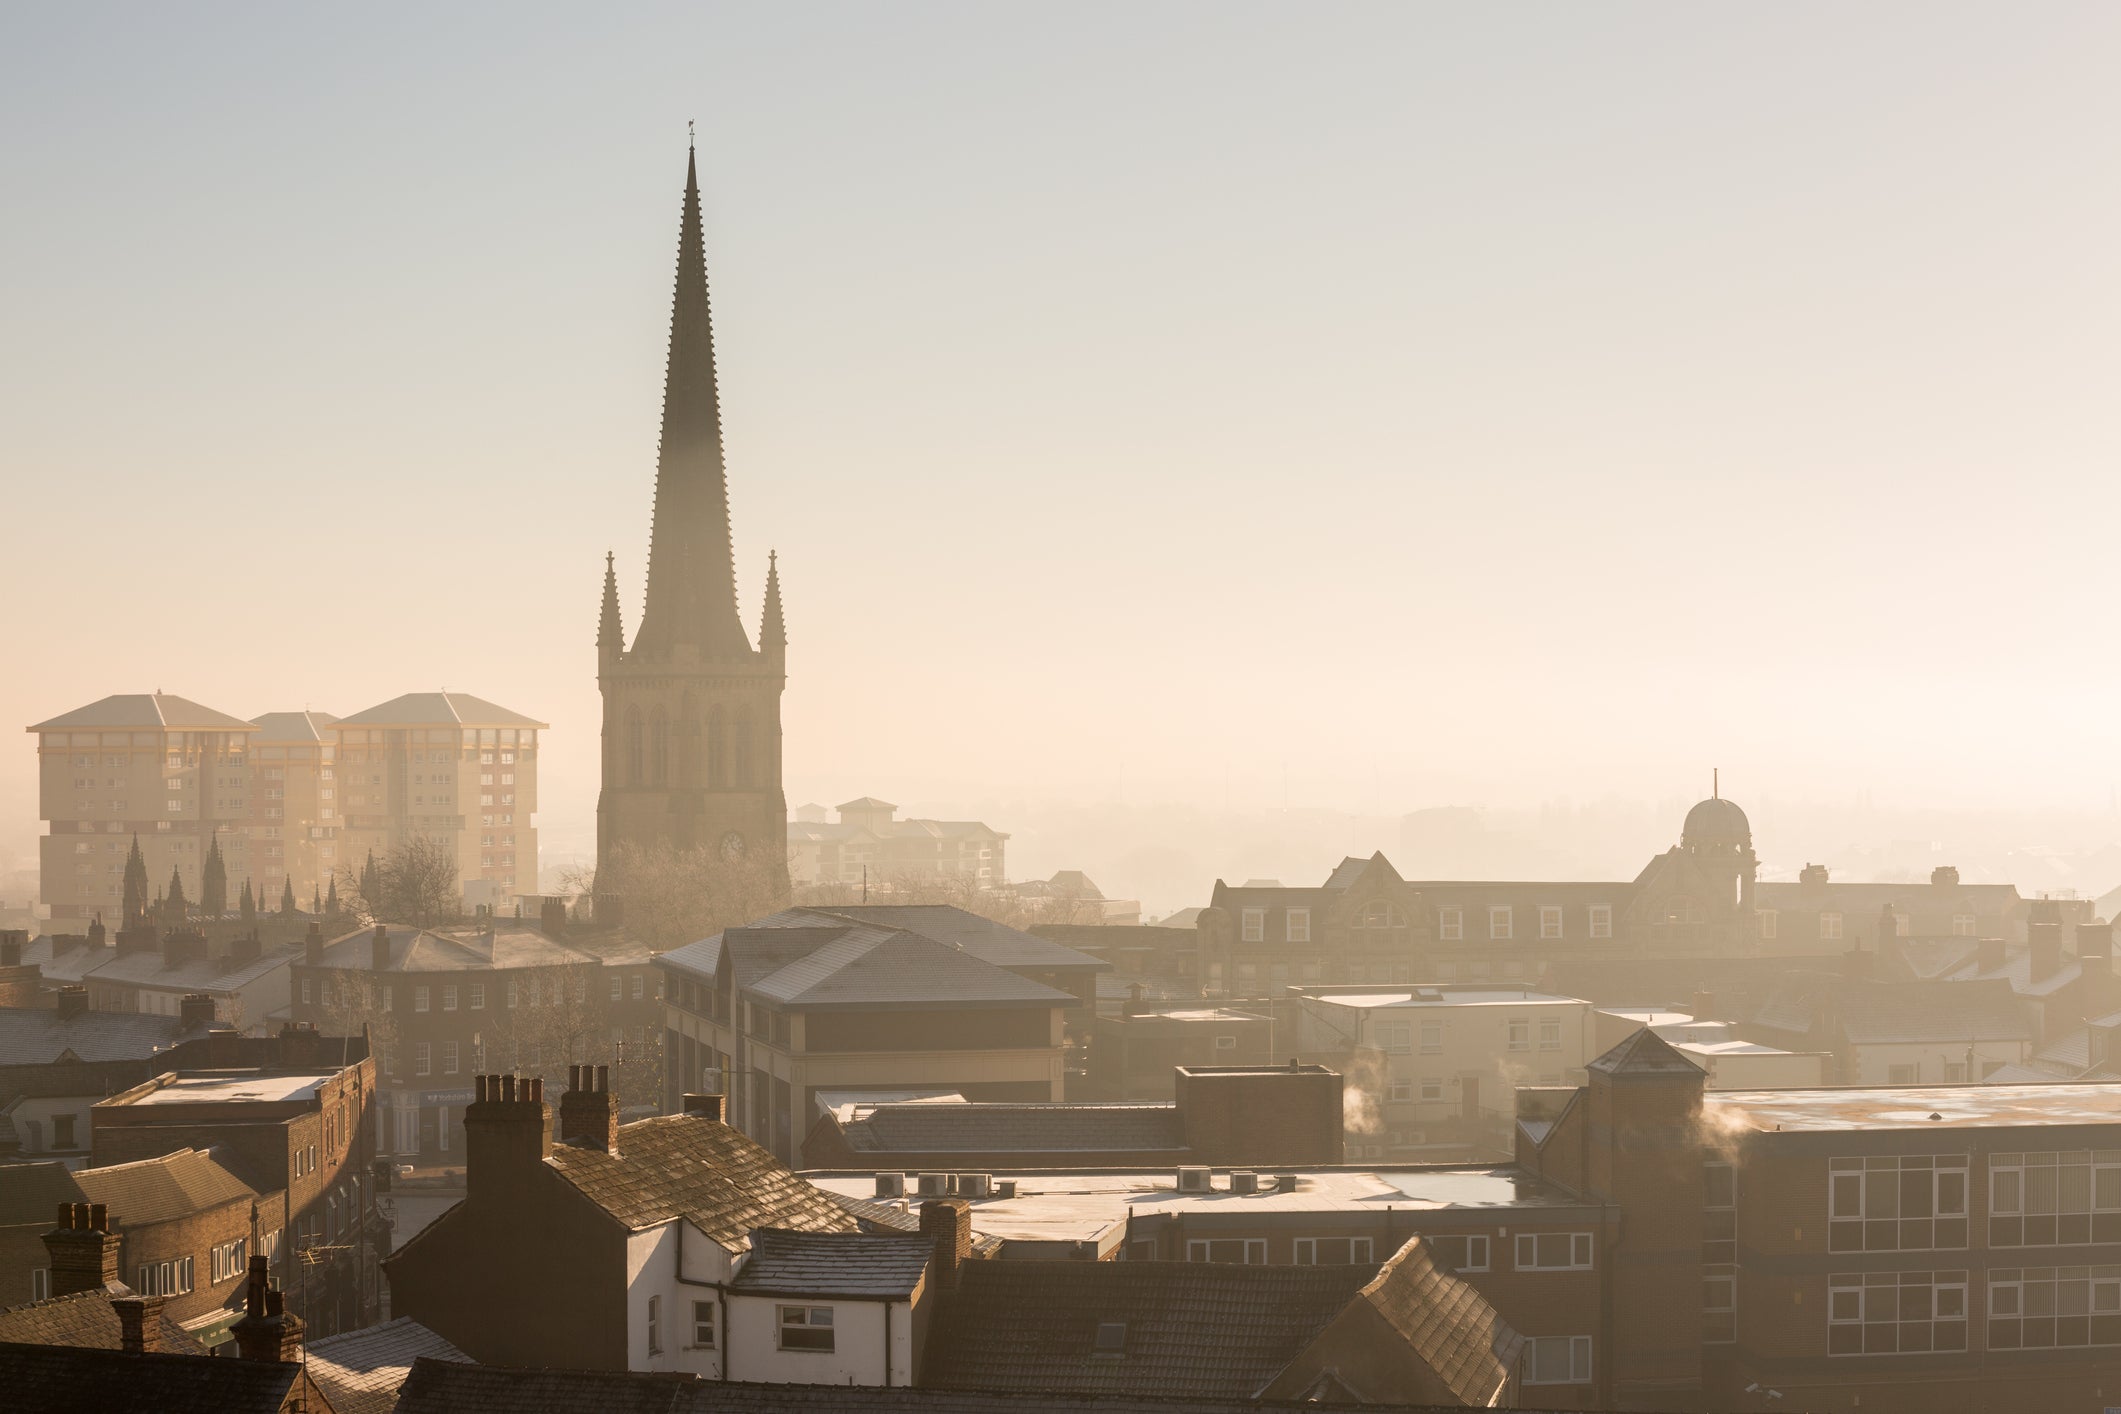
688,133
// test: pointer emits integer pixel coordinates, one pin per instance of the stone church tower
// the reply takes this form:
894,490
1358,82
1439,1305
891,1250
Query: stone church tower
692,712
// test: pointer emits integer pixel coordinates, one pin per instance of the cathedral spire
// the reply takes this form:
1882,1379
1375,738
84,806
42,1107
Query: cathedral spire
611,632
773,629
691,568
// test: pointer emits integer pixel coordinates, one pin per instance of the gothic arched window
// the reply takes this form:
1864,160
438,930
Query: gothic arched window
688,741
634,773
742,771
659,749
717,767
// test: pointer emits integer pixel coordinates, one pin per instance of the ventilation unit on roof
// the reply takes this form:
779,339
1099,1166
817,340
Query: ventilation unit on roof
974,1185
1194,1178
891,1185
1005,1188
1285,1183
1243,1181
934,1185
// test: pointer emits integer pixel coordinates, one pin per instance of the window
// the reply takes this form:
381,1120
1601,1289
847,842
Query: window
1549,922
308,995
640,988
1719,1305
1499,922
1902,1074
229,1259
449,1058
1520,1033
1248,1251
1299,925
1332,1251
2040,1308
1906,1204
172,1278
1395,1037
511,991
1829,925
1553,1251
1767,922
62,1131
703,1325
1402,1092
449,996
1719,1202
1558,1360
1432,1089
1549,1034
40,1284
1225,1043
655,1325
419,998
1898,1313
1450,924
478,996
806,1328
1255,925
1963,925
2038,1200
618,988
1431,1037
1460,1252
422,1063
1378,915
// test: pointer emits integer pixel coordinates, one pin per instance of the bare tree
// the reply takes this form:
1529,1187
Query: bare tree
416,883
353,1000
673,896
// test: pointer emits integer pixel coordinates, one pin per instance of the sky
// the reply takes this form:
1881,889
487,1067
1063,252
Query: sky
1351,408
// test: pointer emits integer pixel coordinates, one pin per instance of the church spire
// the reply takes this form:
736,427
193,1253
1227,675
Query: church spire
611,632
773,629
691,567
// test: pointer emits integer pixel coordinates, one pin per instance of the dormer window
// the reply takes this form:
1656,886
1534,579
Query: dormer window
1111,1343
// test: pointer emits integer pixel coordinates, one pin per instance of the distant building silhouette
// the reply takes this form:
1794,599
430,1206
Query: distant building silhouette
692,712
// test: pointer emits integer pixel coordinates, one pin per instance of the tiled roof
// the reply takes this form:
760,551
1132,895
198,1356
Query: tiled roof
292,726
1191,1328
1447,1323
361,1370
1021,1128
61,965
437,709
834,1263
1872,1013
2018,971
39,1036
43,1379
148,968
1644,1053
817,960
152,711
440,1387
157,1190
876,1217
84,1319
688,1166
982,937
418,950
32,1193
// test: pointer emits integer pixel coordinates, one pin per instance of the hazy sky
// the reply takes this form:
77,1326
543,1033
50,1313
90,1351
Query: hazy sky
1364,407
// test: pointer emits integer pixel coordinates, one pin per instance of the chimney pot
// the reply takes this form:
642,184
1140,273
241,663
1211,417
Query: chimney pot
73,1002
714,1107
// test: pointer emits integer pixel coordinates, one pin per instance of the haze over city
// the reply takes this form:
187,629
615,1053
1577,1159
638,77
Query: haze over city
1211,407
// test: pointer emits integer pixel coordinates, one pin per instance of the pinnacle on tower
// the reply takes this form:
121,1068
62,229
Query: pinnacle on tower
773,628
611,631
691,599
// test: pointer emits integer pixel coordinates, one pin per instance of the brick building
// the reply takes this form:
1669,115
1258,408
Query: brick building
302,1130
1132,1056
868,844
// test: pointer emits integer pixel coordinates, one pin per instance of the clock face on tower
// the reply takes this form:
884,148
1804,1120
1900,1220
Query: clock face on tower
732,845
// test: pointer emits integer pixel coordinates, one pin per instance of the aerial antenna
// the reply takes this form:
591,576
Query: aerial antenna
688,135
1715,783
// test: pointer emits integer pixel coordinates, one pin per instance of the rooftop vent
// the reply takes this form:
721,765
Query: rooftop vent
1111,1343
1285,1183
973,1185
1243,1181
891,1185
1005,1188
1193,1178
935,1185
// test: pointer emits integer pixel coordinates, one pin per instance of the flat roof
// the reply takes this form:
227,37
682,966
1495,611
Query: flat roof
1081,1206
1448,996
1921,1106
213,1087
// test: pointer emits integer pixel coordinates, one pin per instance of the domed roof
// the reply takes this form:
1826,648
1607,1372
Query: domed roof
1716,823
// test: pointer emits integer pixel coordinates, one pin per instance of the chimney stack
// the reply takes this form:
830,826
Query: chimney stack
245,948
2044,942
1989,954
140,1325
1704,1006
83,1249
589,1112
73,1002
12,941
1812,874
1944,875
379,949
96,934
266,1332
196,1010
552,917
948,1223
18,982
507,1134
714,1107
313,945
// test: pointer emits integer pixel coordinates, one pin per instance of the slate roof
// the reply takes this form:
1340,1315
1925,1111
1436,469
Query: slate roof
148,968
158,1190
361,1370
1872,1013
982,937
292,726
1645,1053
1020,1128
61,965
434,708
441,1387
84,1320
42,1379
153,711
418,950
2018,971
32,1193
817,960
702,1170
39,1036
834,1263
877,1217
1447,1323
1212,1329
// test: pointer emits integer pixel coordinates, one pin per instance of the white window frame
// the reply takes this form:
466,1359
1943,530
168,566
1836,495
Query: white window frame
1582,1252
1432,1038
805,1321
1298,925
1359,1251
1601,920
702,1325
419,997
1450,924
1479,1250
1829,926
1540,1352
655,1325
1852,1208
1395,1038
1198,1249
1432,1089
1517,1031
1253,926
1501,923
1767,922
1549,1033
1549,921
1401,1093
